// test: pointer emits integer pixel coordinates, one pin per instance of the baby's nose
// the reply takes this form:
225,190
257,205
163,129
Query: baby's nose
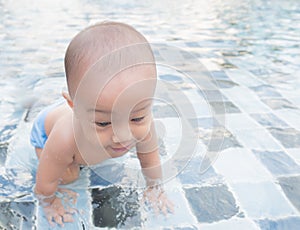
122,135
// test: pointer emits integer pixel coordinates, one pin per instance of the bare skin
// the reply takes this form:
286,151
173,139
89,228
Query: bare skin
60,159
92,127
72,172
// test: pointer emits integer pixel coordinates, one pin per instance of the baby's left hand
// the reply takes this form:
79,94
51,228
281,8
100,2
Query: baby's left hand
157,199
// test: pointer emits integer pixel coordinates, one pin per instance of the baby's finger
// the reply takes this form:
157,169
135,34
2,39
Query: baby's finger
61,211
61,190
74,199
143,200
71,210
146,200
64,191
58,219
164,209
155,208
49,218
171,206
71,193
68,218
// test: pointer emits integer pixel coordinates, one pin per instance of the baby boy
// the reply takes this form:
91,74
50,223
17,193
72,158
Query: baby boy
111,78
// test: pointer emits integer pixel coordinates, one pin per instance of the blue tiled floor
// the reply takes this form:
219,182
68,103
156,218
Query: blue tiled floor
247,111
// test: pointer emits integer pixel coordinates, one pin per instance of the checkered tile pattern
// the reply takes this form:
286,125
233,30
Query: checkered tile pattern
245,95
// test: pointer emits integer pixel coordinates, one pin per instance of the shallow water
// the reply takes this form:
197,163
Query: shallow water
251,54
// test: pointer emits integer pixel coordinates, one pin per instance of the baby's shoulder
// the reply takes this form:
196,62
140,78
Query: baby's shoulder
54,117
62,135
63,129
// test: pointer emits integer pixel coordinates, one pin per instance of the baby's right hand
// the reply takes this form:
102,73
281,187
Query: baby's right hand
57,213
54,209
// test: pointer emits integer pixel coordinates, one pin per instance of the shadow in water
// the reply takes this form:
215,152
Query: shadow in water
115,207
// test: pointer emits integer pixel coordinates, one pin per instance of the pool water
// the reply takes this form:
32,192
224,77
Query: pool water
238,65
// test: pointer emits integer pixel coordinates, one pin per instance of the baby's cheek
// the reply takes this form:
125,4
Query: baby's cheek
89,132
141,131
104,138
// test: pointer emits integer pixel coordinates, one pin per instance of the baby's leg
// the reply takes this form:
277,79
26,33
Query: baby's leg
38,152
70,175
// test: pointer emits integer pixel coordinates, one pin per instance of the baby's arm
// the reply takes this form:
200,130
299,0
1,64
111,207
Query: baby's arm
55,158
148,154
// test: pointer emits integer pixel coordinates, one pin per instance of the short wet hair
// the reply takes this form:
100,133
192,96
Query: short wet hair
93,43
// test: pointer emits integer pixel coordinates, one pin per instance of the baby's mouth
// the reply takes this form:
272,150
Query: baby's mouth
122,148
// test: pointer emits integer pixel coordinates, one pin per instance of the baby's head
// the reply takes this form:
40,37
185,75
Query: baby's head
111,78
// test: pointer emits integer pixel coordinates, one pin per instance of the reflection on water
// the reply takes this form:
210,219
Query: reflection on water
261,36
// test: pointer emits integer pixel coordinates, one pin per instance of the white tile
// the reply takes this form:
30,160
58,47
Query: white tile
179,137
189,105
294,153
202,109
288,93
259,139
193,96
209,64
294,100
245,99
243,77
240,121
233,223
290,116
263,200
240,165
171,132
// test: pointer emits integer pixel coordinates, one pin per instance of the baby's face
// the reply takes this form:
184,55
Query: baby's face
120,116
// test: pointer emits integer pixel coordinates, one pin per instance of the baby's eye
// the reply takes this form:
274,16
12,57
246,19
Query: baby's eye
138,119
102,124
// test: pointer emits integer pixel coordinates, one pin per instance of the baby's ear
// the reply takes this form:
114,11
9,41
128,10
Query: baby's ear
68,99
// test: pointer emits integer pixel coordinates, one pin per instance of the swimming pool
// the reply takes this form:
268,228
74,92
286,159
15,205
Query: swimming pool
251,50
